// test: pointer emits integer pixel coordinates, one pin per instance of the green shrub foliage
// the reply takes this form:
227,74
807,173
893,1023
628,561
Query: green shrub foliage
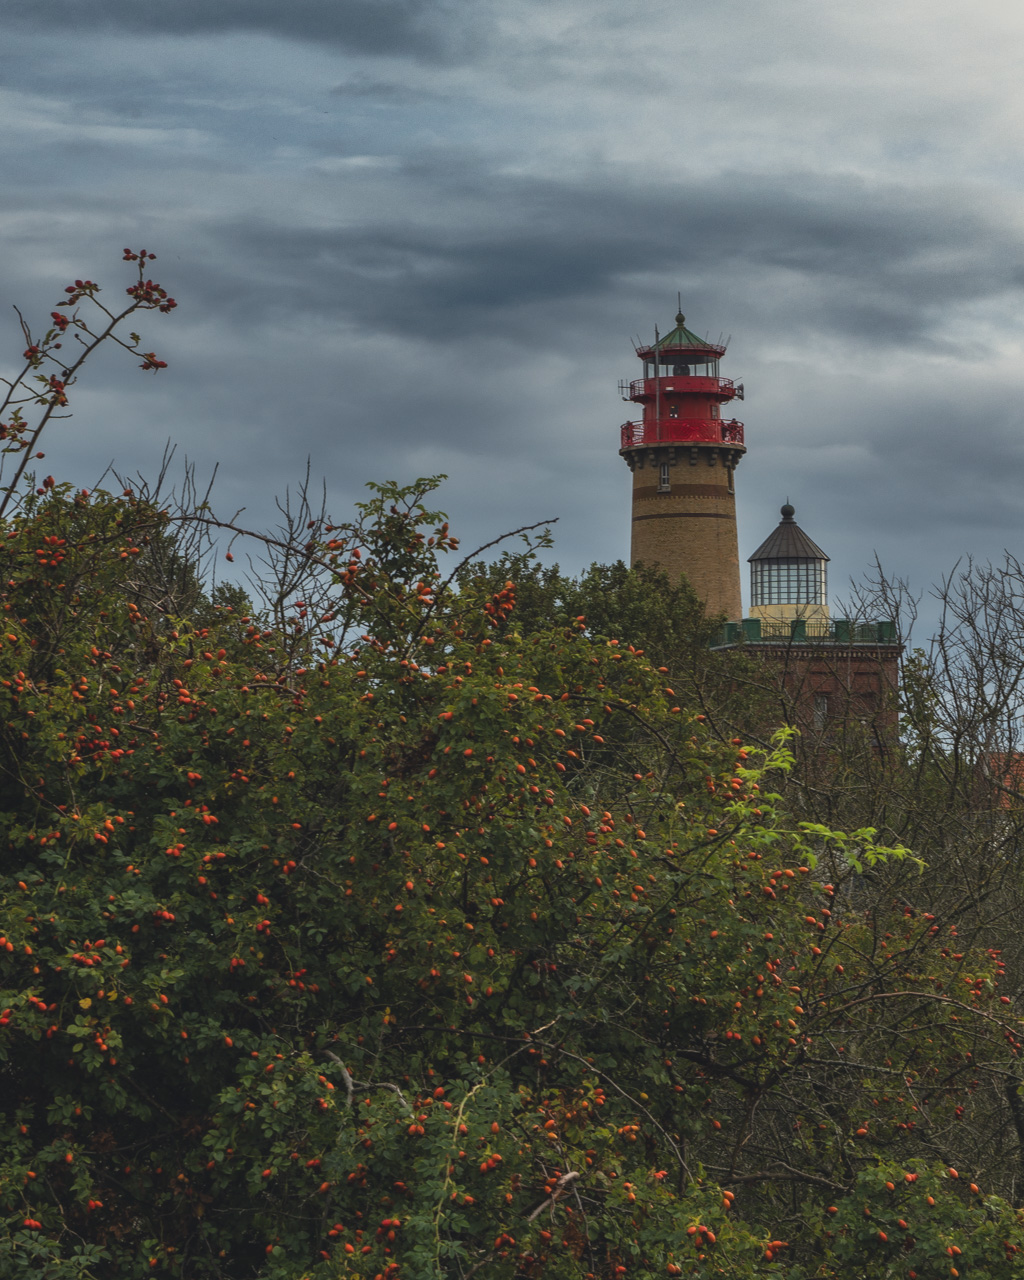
374,933
422,945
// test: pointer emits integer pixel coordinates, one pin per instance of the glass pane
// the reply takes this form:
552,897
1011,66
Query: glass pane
788,582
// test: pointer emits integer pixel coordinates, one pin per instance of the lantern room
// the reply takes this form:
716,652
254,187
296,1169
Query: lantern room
683,395
789,575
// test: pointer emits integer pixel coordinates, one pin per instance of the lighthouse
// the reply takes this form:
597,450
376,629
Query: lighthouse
683,454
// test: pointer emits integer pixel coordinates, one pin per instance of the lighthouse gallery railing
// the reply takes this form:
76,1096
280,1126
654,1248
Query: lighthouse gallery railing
681,431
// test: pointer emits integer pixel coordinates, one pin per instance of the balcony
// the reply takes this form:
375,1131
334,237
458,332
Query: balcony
646,389
838,631
681,431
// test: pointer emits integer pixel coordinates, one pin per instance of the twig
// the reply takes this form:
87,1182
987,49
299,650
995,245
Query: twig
557,1191
346,1075
791,1175
351,1085
618,1089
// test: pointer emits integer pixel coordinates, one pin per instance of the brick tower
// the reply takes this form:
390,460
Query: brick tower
683,453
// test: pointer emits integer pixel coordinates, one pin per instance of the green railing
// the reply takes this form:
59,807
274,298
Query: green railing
802,631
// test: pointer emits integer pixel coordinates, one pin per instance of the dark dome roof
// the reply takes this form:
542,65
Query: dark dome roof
788,542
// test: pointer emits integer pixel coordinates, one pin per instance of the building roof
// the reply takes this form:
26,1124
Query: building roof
1005,771
683,340
788,542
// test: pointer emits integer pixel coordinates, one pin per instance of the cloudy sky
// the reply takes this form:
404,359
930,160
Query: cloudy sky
412,236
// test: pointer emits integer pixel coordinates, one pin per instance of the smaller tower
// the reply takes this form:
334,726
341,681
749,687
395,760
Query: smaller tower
789,577
830,672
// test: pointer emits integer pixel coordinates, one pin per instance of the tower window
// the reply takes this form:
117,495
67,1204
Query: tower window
714,411
664,483
820,710
673,411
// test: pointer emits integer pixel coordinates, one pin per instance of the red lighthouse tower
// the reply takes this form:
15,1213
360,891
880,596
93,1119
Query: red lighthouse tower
683,454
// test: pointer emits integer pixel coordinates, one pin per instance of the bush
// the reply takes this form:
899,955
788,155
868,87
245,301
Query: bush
371,936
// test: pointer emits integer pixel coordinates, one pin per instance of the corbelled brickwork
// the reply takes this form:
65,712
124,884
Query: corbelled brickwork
690,526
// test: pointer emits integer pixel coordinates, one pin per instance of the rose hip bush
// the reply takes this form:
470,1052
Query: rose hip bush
383,940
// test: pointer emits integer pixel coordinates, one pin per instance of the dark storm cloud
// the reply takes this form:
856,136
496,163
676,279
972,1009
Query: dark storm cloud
817,255
386,93
410,236
816,264
433,29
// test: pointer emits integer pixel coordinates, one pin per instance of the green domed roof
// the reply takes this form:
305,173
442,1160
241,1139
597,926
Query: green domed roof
683,340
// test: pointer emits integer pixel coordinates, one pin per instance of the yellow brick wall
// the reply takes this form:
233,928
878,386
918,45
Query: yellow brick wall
816,613
691,529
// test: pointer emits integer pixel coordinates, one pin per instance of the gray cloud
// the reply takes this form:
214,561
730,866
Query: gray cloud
869,265
412,237
433,29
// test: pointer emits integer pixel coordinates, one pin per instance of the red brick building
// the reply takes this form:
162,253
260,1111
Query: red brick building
828,670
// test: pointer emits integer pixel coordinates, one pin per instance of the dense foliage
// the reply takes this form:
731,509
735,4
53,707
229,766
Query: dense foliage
369,933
